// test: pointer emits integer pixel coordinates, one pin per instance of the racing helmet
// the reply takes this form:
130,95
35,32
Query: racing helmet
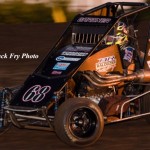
121,27
121,34
120,37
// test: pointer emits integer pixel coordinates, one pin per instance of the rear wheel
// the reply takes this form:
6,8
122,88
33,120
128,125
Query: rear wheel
79,122
145,104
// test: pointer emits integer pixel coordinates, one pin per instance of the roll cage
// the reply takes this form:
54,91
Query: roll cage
84,36
90,27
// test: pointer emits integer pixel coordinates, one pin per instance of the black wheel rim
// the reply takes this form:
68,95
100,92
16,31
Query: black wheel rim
82,123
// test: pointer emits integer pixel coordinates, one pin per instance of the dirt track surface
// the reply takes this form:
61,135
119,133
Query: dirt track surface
31,39
38,39
131,135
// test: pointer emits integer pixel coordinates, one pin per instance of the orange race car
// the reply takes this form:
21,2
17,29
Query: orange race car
97,73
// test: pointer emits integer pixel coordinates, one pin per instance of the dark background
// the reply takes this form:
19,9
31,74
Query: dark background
25,38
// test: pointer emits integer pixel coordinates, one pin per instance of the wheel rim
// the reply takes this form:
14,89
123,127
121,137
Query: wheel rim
83,123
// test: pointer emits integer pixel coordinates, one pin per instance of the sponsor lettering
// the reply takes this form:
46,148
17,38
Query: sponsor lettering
128,53
106,64
36,93
61,66
78,49
74,54
63,58
94,20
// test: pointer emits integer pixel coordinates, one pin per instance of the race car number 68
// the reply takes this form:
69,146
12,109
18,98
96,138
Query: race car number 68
36,93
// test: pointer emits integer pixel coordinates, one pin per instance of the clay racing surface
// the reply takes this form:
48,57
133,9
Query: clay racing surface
31,42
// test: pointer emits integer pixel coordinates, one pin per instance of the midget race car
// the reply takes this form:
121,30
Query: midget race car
85,82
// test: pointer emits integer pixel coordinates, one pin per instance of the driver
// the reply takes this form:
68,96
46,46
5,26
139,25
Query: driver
122,39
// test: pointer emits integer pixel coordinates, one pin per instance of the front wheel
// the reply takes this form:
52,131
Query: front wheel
79,122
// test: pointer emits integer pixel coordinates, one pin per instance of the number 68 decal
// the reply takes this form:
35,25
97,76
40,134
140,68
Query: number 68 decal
36,93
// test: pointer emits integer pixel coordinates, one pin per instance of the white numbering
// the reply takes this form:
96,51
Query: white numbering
36,93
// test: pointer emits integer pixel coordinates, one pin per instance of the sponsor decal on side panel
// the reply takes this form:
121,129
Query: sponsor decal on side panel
74,54
56,72
128,53
106,64
61,66
78,49
63,58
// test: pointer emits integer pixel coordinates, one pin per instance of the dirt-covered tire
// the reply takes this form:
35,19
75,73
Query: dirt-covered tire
79,122
145,104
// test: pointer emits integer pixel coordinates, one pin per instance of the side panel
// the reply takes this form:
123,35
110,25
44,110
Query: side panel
37,91
106,60
39,88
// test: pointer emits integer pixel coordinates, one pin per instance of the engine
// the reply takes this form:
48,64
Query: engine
100,94
104,90
84,88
